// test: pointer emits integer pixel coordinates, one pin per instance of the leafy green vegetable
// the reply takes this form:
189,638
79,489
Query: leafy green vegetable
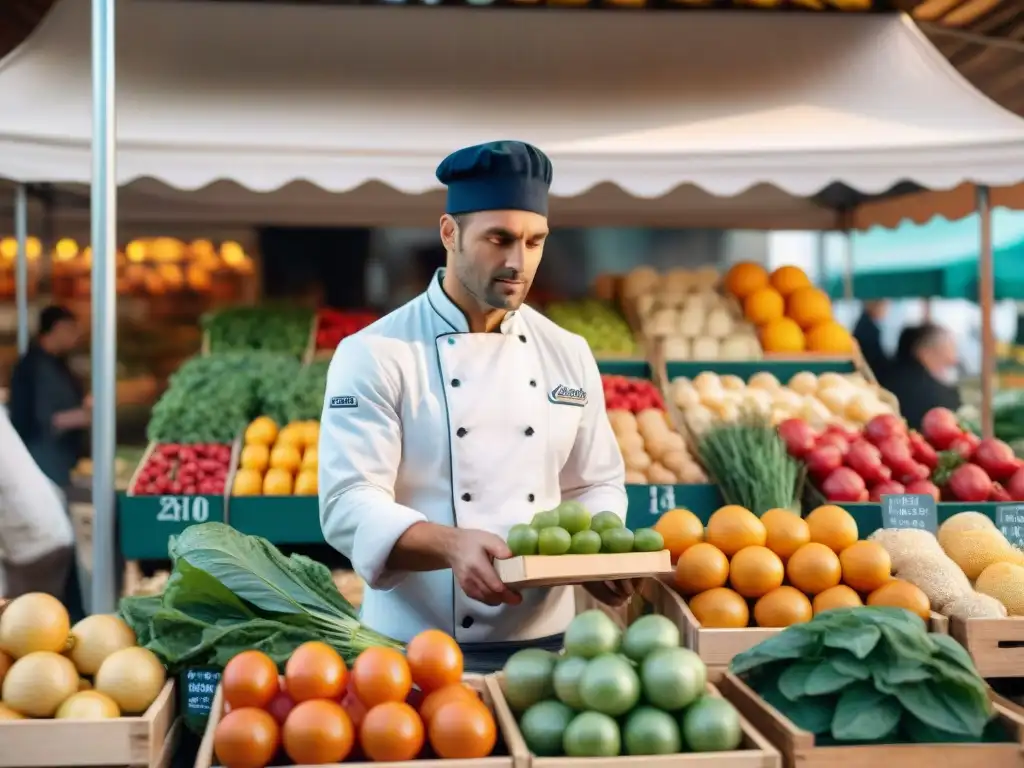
276,329
229,592
870,674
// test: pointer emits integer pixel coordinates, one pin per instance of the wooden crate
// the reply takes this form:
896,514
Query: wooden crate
541,571
798,746
996,645
756,751
148,740
206,758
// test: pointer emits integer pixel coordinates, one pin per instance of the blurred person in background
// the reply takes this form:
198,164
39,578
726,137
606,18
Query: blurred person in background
924,373
868,333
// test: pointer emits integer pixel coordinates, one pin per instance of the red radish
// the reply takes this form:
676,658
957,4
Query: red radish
964,445
924,487
999,493
940,428
823,460
844,485
895,452
835,439
1015,485
864,459
970,483
922,452
887,488
798,436
883,427
915,473
996,458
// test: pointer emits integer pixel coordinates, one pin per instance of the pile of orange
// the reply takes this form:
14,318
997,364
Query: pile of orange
792,315
278,462
779,569
320,712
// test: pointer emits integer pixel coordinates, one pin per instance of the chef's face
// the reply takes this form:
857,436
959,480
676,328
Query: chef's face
495,254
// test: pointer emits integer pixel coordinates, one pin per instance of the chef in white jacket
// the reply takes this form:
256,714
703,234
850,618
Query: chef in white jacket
461,414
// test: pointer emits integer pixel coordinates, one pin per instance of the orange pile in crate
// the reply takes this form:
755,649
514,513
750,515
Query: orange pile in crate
277,462
779,569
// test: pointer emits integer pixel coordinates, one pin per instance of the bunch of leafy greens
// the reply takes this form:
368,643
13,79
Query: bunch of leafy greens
229,592
870,675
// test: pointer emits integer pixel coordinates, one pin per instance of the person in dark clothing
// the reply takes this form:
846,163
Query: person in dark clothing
869,335
922,374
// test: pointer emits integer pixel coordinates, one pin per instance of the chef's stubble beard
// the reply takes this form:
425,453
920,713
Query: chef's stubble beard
482,288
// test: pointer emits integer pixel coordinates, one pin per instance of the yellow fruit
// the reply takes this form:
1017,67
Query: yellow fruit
310,432
763,306
248,482
964,521
285,457
680,529
787,531
829,338
974,551
808,307
832,526
788,279
866,565
293,435
1004,582
305,483
731,528
700,568
720,608
840,596
310,458
278,482
744,278
255,456
814,568
755,571
262,431
782,607
782,336
902,594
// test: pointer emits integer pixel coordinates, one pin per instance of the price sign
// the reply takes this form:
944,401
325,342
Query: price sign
183,509
198,685
147,522
1010,520
663,498
910,510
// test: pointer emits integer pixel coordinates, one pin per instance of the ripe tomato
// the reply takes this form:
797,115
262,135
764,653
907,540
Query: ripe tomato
435,660
318,732
379,675
391,732
437,699
315,671
250,680
462,730
246,738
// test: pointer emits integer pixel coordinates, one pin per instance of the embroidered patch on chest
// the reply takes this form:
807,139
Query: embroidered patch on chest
563,395
345,401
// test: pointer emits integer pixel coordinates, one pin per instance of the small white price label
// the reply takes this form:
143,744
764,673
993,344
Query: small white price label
663,498
183,509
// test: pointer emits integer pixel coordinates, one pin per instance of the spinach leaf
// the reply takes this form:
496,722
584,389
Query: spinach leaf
825,678
926,702
812,714
795,642
793,680
851,666
865,714
950,650
859,641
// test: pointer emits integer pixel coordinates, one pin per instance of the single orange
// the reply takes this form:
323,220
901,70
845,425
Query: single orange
755,571
246,738
462,730
782,607
380,675
832,526
318,732
701,567
814,568
732,527
441,696
250,680
787,531
839,596
720,608
902,594
435,660
680,529
315,671
866,565
391,732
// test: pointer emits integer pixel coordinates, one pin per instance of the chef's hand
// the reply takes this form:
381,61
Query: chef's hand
613,593
472,560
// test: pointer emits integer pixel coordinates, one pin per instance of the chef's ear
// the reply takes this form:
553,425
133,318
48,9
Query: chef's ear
449,232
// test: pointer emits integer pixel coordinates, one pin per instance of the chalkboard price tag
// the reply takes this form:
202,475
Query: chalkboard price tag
910,510
198,686
1010,520
663,498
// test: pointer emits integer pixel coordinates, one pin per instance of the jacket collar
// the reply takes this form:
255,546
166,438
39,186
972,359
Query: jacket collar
453,317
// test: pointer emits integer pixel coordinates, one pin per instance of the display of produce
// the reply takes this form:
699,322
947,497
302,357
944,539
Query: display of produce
792,316
1007,417
844,400
871,675
653,451
278,462
569,529
333,325
286,330
599,322
90,671
176,469
614,693
232,593
321,711
780,569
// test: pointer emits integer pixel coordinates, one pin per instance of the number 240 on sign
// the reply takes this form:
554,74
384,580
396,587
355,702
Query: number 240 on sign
183,509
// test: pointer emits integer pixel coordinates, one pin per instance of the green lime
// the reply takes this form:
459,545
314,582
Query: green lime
522,540
672,678
617,540
712,724
543,726
573,516
648,540
649,731
647,634
553,541
585,543
592,734
610,685
602,521
591,634
568,673
545,519
528,676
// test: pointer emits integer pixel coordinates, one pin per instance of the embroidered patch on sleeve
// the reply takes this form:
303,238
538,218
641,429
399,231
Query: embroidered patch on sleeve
345,401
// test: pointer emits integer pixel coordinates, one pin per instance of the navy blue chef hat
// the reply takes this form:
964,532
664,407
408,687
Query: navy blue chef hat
496,176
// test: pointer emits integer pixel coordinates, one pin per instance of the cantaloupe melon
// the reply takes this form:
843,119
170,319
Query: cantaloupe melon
976,550
1005,582
964,521
976,606
938,577
906,544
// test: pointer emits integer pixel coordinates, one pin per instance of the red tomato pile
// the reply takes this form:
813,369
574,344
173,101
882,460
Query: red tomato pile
333,325
185,469
320,712
628,394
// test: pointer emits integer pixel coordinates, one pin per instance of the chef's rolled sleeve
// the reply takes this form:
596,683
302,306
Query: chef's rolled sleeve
595,474
360,452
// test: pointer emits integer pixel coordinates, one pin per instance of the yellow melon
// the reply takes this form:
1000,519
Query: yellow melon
1004,582
974,551
964,521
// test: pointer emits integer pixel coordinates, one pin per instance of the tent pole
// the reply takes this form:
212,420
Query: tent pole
21,265
986,296
846,222
104,307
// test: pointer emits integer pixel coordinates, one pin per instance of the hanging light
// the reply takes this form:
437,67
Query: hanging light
232,253
33,248
65,250
136,251
9,249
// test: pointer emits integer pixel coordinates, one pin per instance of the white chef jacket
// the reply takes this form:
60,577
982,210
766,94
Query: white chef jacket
424,421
